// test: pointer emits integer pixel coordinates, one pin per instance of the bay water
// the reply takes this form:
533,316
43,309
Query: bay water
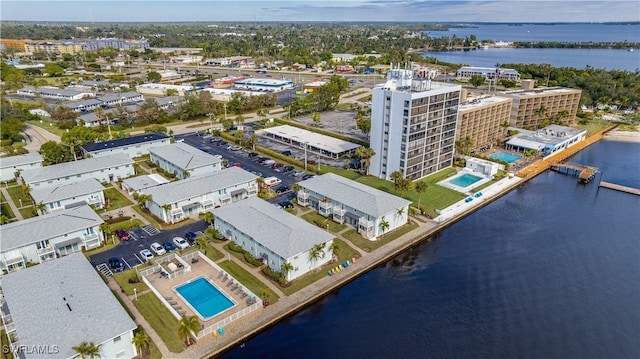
550,270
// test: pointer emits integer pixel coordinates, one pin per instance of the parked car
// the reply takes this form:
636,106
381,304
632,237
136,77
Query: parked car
253,154
146,254
122,234
168,246
298,173
222,143
307,176
116,264
277,165
286,169
286,152
262,159
216,139
157,249
191,237
282,189
180,242
286,204
234,148
268,162
271,181
259,174
311,162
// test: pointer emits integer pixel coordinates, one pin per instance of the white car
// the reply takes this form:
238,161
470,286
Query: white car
180,242
157,248
146,255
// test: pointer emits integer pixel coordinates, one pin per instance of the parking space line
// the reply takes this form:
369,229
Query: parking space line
138,258
125,262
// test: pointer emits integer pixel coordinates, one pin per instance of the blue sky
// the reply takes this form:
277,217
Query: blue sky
317,10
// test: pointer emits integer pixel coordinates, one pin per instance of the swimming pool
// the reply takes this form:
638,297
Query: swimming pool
204,298
504,156
465,180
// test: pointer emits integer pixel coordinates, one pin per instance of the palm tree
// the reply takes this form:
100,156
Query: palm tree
208,217
106,231
315,117
251,141
400,211
317,252
87,350
384,225
40,208
165,208
396,176
334,248
202,244
365,154
186,326
141,341
4,219
286,267
421,187
143,198
295,188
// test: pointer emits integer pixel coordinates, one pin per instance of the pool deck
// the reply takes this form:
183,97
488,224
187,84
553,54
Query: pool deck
166,288
466,190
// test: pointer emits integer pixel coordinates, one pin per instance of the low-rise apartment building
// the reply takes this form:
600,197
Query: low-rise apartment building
47,237
52,307
184,161
176,201
275,236
133,146
103,168
360,206
69,195
55,93
9,166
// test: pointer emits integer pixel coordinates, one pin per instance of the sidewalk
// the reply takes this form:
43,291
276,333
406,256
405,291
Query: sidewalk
12,205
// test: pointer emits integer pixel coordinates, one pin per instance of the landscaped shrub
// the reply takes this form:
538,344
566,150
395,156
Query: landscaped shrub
236,248
251,259
275,276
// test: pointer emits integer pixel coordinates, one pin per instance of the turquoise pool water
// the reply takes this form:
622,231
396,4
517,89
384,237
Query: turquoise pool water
504,156
465,180
204,297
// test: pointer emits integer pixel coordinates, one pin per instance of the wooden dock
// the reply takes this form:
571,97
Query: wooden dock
584,173
620,188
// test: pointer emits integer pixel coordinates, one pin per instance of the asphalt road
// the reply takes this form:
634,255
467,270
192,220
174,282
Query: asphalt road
129,251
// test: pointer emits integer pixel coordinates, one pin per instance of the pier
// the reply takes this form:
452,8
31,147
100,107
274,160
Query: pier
620,188
584,173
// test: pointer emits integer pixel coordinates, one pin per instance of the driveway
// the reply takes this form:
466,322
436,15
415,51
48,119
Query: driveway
35,136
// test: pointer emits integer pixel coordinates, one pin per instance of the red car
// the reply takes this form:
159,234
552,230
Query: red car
122,234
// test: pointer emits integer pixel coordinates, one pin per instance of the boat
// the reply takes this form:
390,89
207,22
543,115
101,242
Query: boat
630,49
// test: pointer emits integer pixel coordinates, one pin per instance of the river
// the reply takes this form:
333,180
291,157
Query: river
550,270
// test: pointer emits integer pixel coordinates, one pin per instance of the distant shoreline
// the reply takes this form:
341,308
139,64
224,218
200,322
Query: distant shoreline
623,136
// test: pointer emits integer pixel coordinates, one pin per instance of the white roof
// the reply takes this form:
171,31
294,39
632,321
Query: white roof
146,181
27,158
75,167
550,135
66,191
474,103
184,156
287,235
263,82
323,142
52,225
63,302
197,186
356,195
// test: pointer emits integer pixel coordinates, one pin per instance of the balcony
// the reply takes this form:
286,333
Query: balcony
207,202
45,251
338,214
225,199
365,227
303,198
324,208
176,211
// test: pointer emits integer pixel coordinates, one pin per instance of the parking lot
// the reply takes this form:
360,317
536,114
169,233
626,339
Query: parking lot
129,251
342,122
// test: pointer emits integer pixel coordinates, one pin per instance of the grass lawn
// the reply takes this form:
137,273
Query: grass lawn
209,251
368,246
161,320
116,199
2,199
6,210
16,194
123,282
27,212
593,126
436,197
345,252
153,348
340,171
240,256
314,218
248,280
126,224
48,125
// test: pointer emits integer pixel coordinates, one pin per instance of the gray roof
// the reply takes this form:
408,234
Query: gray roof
54,91
366,199
146,181
78,104
197,186
6,162
184,156
116,96
168,99
75,167
35,229
313,139
287,235
67,190
63,302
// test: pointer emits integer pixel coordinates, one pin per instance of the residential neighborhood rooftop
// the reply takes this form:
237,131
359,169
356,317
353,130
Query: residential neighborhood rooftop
361,197
184,156
287,235
196,186
146,181
7,162
127,141
67,190
75,167
63,302
317,140
35,229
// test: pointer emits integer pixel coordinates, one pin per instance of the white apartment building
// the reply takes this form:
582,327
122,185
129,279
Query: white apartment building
175,201
134,146
69,195
9,165
413,125
184,161
49,236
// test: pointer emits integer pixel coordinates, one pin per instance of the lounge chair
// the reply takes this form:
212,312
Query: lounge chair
177,307
220,275
243,295
195,260
173,302
239,290
168,298
230,283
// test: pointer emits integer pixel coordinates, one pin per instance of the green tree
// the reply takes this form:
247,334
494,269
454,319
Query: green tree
186,326
208,217
4,219
464,146
334,248
477,80
53,70
404,185
286,268
154,76
384,226
364,154
87,350
53,153
141,341
202,243
315,117
421,188
143,199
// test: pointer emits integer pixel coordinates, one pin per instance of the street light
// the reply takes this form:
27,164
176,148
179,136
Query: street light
135,293
305,155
